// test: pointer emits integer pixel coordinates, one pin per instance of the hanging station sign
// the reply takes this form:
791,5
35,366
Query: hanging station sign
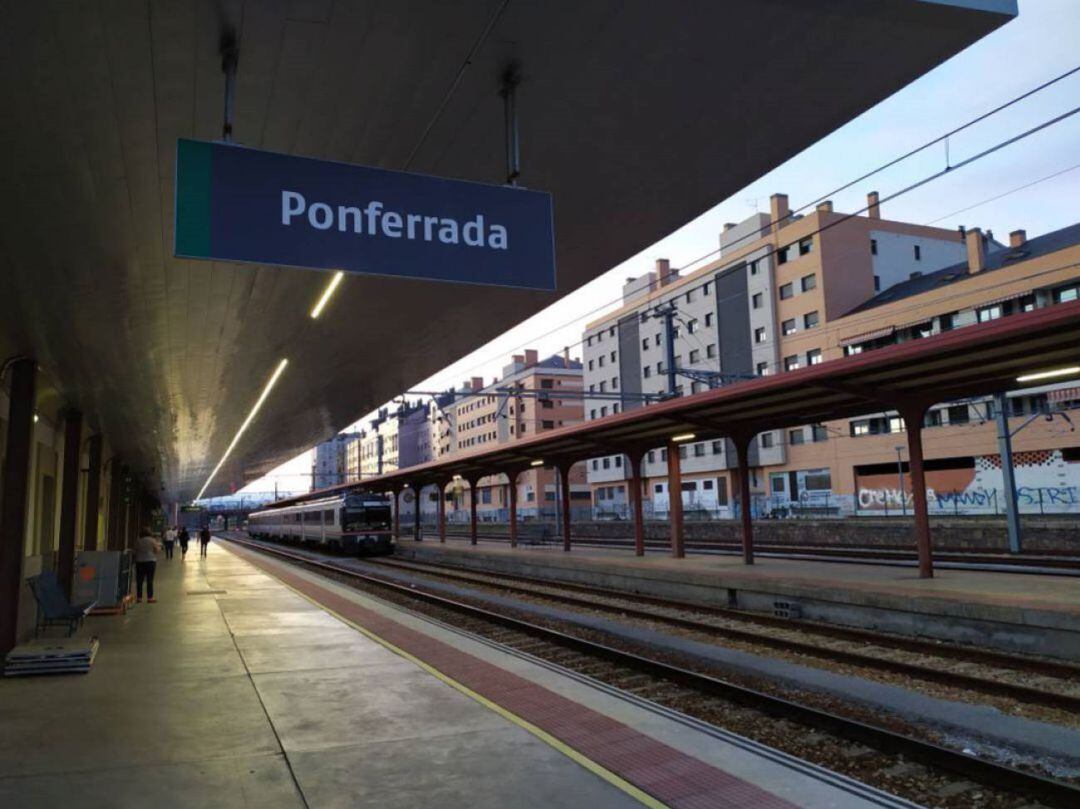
246,205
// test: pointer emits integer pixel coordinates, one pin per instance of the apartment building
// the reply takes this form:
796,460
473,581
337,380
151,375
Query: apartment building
786,291
395,439
330,461
531,396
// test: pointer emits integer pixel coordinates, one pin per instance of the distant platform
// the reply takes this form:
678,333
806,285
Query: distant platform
251,682
1037,614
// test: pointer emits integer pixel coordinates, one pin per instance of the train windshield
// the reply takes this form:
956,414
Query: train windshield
365,518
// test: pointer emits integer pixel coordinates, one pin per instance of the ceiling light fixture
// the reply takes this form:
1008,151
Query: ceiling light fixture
250,417
683,437
537,463
327,293
1072,369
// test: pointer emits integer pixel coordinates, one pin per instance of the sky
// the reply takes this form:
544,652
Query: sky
1035,47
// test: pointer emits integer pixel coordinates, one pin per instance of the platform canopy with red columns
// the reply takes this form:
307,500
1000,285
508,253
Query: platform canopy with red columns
975,360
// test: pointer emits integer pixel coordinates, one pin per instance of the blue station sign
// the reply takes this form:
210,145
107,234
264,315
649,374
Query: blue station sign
247,205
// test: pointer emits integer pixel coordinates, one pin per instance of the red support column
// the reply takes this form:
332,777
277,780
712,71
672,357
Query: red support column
442,510
746,513
69,499
564,483
473,485
512,475
913,416
417,490
675,510
634,458
13,497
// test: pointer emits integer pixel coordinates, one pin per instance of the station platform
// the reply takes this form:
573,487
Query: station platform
1018,612
252,683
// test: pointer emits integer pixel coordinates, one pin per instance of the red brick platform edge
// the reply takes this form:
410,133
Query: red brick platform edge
667,774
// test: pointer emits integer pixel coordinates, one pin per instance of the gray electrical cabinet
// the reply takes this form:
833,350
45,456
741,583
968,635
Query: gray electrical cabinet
102,576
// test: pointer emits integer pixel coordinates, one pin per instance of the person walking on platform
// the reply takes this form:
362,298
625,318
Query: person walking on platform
184,538
170,541
204,541
147,548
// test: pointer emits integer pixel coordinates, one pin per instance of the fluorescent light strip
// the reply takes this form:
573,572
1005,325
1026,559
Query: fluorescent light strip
250,417
678,439
327,293
1072,369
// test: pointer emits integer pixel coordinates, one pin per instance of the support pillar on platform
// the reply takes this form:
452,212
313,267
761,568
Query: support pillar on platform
675,509
93,494
637,498
397,513
417,491
441,513
114,529
512,476
742,444
69,499
913,415
564,483
13,507
474,484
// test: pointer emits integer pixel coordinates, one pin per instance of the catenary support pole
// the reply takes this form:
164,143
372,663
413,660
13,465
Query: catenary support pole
564,483
441,512
746,506
675,509
93,494
13,505
512,476
913,415
397,513
69,499
634,457
1008,473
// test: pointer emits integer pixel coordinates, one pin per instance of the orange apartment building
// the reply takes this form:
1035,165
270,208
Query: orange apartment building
531,396
787,291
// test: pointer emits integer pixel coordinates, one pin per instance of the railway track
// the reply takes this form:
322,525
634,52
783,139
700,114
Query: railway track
694,617
1045,563
863,748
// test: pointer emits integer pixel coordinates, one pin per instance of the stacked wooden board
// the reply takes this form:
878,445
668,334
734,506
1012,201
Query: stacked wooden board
51,656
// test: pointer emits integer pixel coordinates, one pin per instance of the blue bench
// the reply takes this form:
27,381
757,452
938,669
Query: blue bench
53,605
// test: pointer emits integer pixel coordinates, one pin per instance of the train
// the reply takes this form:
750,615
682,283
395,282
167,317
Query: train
352,523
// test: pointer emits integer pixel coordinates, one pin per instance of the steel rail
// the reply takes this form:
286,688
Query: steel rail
1054,793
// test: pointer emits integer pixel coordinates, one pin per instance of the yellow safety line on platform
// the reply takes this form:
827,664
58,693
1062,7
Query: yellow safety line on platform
575,755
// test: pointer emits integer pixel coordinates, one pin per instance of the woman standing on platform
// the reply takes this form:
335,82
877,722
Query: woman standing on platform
184,538
204,541
147,548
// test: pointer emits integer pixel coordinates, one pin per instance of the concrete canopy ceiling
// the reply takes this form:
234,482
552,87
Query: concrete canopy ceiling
637,116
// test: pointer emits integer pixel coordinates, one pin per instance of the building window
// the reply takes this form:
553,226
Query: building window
615,408
656,339
699,450
788,327
660,367
645,344
592,415
989,313
810,320
691,326
877,283
708,319
618,462
958,414
588,341
813,356
717,447
611,331
682,451
806,246
607,463
796,436
591,364
613,355
808,282
695,356
766,440
782,255
918,253
689,296
600,362
786,291
646,371
819,433
763,369
548,425
705,289
757,300
1066,294
759,334
873,247
791,363
710,350
603,387
652,456
614,383
595,463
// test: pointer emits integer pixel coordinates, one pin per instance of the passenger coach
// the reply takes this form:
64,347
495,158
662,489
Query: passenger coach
349,523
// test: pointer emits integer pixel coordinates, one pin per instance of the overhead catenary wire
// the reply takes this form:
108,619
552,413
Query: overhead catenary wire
768,225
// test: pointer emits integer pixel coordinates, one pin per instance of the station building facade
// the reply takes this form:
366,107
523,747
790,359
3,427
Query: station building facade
788,291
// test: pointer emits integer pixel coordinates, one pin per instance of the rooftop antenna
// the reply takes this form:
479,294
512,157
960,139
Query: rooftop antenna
230,57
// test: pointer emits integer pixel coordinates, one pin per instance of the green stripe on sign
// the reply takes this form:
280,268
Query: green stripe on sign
194,162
